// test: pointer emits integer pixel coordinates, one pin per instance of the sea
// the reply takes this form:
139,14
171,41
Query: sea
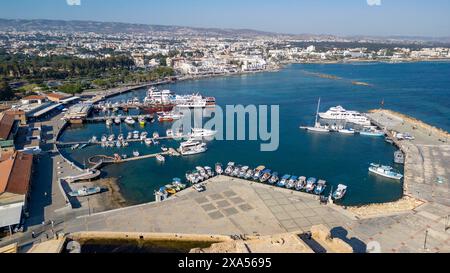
420,89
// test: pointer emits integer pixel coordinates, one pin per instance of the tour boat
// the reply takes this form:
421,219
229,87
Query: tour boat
385,171
339,113
274,179
310,184
283,181
340,192
219,169
85,191
320,188
192,147
158,101
292,182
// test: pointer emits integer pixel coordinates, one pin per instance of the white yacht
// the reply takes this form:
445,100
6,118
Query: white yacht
192,147
339,113
130,121
201,133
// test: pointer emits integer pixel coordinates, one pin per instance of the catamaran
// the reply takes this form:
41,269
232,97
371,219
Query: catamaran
385,171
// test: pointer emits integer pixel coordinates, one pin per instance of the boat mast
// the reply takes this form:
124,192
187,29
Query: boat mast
317,112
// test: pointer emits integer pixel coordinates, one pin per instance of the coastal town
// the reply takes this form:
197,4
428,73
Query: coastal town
55,81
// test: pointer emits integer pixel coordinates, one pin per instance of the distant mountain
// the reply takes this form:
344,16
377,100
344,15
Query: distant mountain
114,27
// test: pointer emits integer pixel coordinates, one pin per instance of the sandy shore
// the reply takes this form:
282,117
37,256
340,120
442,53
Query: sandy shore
110,199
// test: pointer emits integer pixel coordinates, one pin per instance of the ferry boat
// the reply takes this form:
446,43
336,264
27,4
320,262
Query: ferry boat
317,126
339,113
310,184
340,192
284,180
320,188
265,175
258,172
85,191
301,183
192,147
274,179
230,168
292,182
169,116
399,157
129,120
219,169
385,171
193,101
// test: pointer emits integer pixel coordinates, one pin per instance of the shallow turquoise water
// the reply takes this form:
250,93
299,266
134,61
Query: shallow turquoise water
421,90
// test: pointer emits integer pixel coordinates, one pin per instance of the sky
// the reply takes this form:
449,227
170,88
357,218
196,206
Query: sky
338,17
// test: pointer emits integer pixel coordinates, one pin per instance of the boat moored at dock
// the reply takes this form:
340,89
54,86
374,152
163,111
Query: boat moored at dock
385,171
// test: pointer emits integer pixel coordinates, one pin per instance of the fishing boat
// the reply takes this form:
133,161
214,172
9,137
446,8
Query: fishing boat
340,192
284,180
136,153
230,168
310,184
317,126
249,174
243,171
371,131
129,120
219,169
385,171
160,158
320,188
85,191
74,147
301,183
236,171
192,147
111,137
109,122
292,182
399,157
117,120
274,179
265,175
136,134
258,172
148,141
209,171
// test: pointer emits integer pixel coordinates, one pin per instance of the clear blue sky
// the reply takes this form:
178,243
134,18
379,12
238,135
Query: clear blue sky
341,17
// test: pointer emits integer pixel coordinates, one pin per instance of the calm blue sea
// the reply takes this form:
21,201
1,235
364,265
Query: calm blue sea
421,90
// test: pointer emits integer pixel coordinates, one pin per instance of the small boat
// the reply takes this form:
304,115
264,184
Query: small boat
399,157
292,182
129,120
236,171
176,182
284,180
109,122
104,138
164,148
371,131
169,133
199,133
155,135
160,158
265,175
136,134
141,121
301,183
310,184
258,172
130,136
125,143
74,147
243,171
85,191
169,116
347,131
136,153
274,179
148,141
111,137
219,169
249,174
340,192
209,171
199,188
118,144
320,188
117,120
230,168
385,171
143,136
202,172
389,140
171,190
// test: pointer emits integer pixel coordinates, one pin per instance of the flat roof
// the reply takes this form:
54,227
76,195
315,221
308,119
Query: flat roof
46,110
10,214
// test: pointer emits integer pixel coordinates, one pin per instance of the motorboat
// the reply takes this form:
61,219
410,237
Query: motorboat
202,172
219,169
209,171
249,174
236,171
243,171
85,191
160,158
347,131
320,188
310,184
202,133
148,141
284,180
292,182
340,192
199,188
136,153
169,116
258,172
301,183
141,120
265,175
109,122
385,171
169,133
192,147
143,135
338,113
130,136
371,131
230,168
111,137
136,135
117,120
274,179
129,120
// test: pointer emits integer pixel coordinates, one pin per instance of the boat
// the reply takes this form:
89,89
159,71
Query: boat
117,120
389,140
192,147
202,133
320,188
258,172
340,192
372,131
274,179
164,148
202,172
310,184
284,180
155,135
148,141
109,122
230,168
130,136
209,171
265,175
317,126
85,191
347,131
176,182
249,174
236,171
136,153
170,189
199,188
399,157
111,137
118,144
158,101
93,139
169,133
219,169
385,171
143,136
141,121
169,116
338,113
193,101
136,134
129,120
243,171
292,182
125,143
301,183
74,147
160,158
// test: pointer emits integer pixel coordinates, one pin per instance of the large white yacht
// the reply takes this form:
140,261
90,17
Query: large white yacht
201,133
339,113
192,147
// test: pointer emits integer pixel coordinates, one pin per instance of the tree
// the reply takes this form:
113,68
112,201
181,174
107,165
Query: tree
5,91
